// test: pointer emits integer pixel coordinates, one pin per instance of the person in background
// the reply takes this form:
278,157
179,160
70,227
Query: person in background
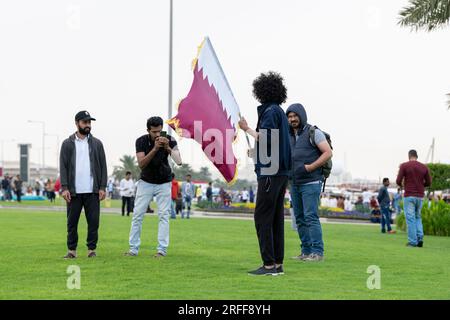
341,203
414,177
397,200
366,198
58,185
6,186
179,203
251,195
110,189
348,204
18,184
188,192
127,193
37,188
50,190
175,192
245,196
199,193
385,203
209,194
374,203
332,202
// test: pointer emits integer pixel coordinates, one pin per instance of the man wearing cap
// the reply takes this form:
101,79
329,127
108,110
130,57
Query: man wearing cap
83,182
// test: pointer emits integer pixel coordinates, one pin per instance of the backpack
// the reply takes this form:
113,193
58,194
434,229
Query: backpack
328,166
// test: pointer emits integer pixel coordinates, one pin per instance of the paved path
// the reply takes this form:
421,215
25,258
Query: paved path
196,214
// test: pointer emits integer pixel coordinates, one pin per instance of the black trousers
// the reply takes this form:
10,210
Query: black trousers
91,204
19,196
128,202
269,218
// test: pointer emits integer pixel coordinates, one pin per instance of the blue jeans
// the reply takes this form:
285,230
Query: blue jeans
187,204
385,219
173,213
412,206
144,194
305,200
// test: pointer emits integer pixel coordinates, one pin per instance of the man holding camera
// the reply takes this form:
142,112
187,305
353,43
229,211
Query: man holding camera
152,152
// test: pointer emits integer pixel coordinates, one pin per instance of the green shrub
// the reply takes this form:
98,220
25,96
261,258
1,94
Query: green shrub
435,219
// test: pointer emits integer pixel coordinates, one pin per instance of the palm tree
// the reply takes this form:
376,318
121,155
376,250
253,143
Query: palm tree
129,163
204,174
425,14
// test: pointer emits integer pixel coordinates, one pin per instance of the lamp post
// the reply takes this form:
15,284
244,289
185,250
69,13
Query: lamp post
43,140
170,61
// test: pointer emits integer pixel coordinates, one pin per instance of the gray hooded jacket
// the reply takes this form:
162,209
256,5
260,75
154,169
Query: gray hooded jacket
303,152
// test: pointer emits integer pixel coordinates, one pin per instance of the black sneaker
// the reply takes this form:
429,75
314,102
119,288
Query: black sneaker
280,270
263,271
420,244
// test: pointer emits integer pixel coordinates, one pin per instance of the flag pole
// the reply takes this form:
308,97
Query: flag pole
170,63
246,135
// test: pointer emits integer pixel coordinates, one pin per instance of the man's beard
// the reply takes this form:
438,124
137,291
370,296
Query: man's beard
84,131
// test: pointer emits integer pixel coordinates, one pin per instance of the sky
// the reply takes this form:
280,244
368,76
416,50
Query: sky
377,88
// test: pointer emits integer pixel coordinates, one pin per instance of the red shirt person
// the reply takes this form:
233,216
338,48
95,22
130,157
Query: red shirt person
175,191
414,177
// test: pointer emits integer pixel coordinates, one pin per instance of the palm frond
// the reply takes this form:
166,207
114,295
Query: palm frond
425,14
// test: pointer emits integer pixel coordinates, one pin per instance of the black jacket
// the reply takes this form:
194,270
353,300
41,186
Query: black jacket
67,161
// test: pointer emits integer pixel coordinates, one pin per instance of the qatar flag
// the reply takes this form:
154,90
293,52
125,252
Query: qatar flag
210,114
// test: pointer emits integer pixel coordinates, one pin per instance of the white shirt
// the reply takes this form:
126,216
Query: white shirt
84,181
366,196
127,188
245,195
348,205
333,203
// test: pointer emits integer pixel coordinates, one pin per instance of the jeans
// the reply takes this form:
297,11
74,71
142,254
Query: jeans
173,213
187,203
385,219
305,200
144,194
412,207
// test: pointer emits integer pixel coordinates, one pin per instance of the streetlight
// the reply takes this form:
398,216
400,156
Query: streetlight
3,154
43,140
170,61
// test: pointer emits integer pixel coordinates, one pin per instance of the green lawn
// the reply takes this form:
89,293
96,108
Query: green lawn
59,202
209,259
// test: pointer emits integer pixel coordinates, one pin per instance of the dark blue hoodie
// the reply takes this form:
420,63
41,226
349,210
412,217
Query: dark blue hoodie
271,116
303,152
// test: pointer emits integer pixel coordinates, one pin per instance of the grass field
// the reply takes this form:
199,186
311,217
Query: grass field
209,259
60,202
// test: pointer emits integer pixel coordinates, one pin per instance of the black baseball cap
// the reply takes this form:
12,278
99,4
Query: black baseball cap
84,115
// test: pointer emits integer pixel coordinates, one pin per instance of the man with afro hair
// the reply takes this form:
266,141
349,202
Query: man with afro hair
272,167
